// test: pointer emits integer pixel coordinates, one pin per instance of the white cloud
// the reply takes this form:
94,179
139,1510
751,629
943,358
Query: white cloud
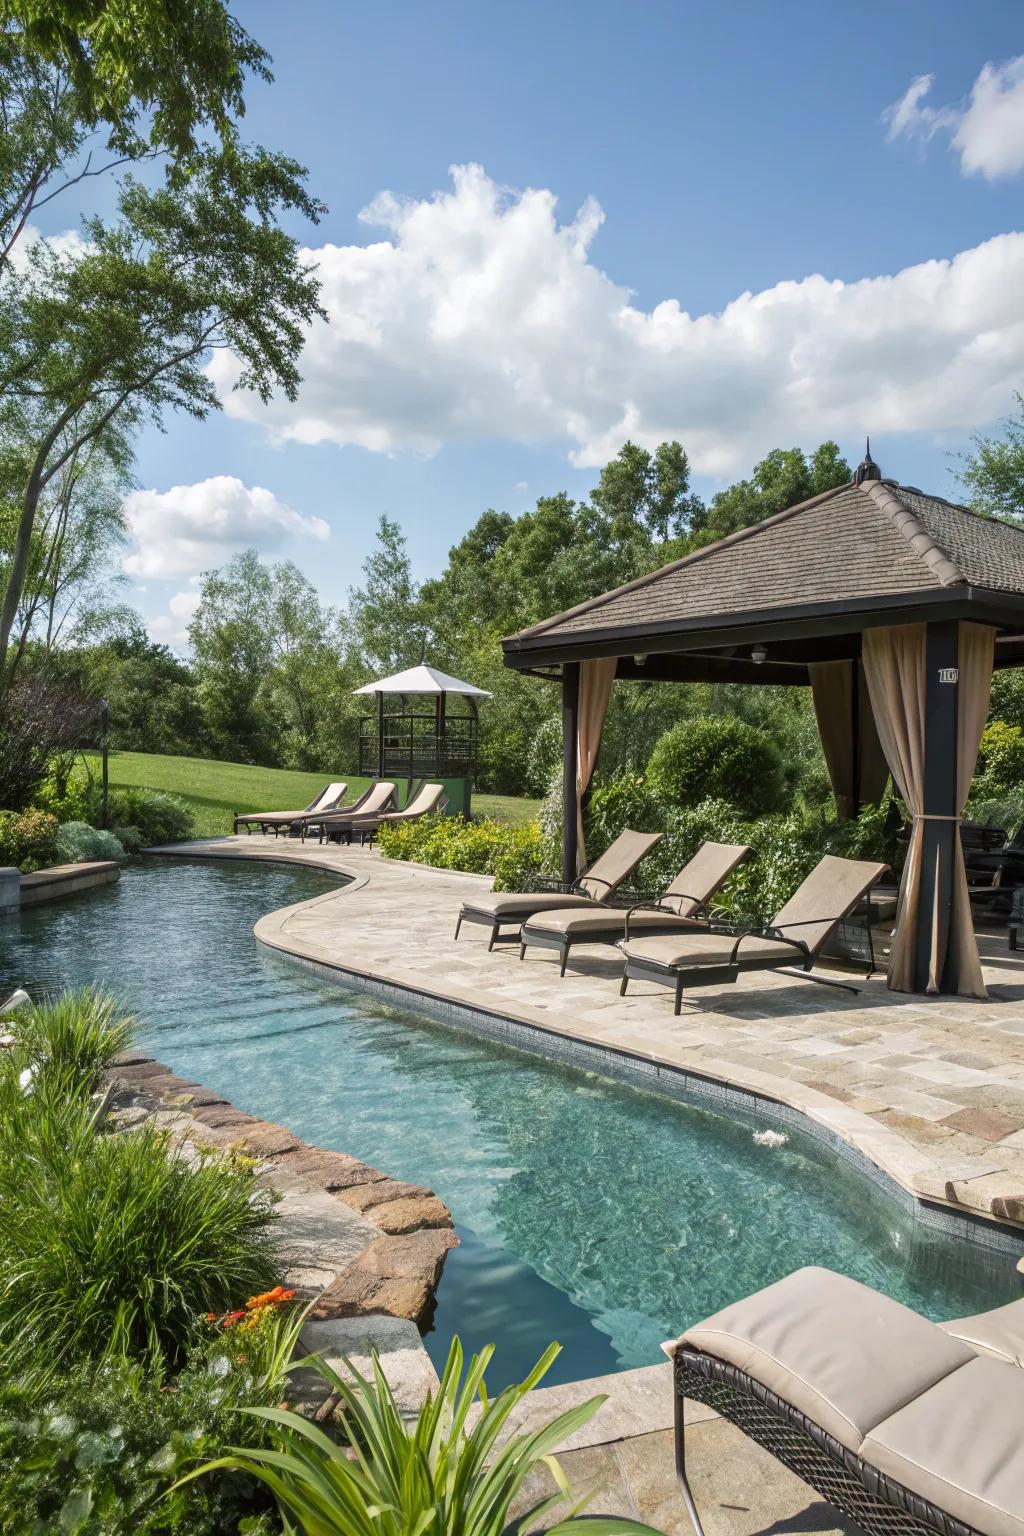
194,527
482,316
986,131
172,627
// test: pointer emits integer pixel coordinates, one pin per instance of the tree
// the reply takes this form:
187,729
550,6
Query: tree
183,65
648,494
993,474
70,584
783,478
123,331
233,640
386,622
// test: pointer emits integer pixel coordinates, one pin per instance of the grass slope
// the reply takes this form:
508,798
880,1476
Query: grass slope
213,790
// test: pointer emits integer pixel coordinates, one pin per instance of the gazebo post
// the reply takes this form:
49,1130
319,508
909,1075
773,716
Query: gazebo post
380,735
938,841
570,749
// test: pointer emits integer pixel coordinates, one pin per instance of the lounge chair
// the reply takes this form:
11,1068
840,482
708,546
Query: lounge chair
427,800
680,907
504,909
795,936
281,820
377,798
907,1427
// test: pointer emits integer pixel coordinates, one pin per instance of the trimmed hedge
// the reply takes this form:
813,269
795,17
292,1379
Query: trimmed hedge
78,843
717,757
508,852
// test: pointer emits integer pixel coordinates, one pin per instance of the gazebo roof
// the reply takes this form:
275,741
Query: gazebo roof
423,680
864,553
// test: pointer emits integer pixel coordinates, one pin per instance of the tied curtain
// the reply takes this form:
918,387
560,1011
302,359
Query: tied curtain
596,678
895,665
853,753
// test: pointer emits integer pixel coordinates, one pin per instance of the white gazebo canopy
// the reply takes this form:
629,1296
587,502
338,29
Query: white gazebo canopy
423,679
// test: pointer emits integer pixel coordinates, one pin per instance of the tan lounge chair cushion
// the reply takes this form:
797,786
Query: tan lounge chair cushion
516,907
670,954
843,1354
999,1333
603,923
961,1446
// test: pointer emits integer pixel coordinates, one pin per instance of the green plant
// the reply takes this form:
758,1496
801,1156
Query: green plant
92,1454
627,800
78,1032
158,817
717,757
27,839
111,1243
509,852
78,843
442,1478
1000,770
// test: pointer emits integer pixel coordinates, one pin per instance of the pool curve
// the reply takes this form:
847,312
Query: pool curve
589,1210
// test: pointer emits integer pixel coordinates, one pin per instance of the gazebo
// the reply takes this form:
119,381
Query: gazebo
405,742
892,605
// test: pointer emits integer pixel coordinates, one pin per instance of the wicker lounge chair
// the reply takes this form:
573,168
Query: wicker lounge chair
283,820
681,907
907,1427
377,799
795,936
428,799
504,909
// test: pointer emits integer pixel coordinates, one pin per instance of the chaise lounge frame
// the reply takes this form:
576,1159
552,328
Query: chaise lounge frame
877,1503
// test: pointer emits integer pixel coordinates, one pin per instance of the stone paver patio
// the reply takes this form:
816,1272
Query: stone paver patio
931,1089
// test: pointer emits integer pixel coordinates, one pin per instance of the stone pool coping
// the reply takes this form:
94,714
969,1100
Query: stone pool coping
973,1185
61,880
367,1250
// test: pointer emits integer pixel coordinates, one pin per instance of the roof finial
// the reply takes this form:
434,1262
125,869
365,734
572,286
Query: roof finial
867,469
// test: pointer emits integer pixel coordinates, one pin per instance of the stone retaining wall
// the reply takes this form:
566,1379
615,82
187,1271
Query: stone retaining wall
67,880
392,1237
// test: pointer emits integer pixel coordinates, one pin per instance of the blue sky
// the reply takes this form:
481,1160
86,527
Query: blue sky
492,354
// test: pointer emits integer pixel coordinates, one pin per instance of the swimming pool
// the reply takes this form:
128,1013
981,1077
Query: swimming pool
589,1212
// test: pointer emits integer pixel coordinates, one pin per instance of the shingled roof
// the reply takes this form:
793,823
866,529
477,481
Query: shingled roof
868,541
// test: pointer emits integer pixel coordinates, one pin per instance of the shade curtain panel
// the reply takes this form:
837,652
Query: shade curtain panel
596,678
856,763
895,668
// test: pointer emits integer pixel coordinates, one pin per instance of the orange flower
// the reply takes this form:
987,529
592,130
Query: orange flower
211,1317
269,1298
231,1318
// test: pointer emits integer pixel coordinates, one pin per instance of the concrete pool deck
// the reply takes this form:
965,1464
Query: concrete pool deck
930,1090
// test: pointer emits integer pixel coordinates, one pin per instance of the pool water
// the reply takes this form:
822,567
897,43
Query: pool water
590,1213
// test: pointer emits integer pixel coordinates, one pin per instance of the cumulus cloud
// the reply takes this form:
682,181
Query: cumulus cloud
483,316
986,131
171,628
193,527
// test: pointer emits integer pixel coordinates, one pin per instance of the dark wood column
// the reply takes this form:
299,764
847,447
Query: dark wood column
938,842
570,748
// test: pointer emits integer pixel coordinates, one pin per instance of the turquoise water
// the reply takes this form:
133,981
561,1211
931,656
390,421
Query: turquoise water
590,1213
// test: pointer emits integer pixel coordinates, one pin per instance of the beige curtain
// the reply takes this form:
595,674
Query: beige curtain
856,764
596,678
895,667
975,652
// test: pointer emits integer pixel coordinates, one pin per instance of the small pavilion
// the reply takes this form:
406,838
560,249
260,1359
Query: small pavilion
894,606
408,740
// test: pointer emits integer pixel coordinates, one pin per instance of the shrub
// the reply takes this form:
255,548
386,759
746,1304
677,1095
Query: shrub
97,1450
784,850
510,853
111,1244
40,720
717,757
624,801
1000,769
443,1475
158,817
27,839
78,843
130,839
1006,811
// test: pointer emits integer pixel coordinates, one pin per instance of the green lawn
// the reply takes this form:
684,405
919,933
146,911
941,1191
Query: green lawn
214,790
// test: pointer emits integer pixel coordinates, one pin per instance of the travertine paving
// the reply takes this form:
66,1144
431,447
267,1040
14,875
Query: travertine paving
932,1089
